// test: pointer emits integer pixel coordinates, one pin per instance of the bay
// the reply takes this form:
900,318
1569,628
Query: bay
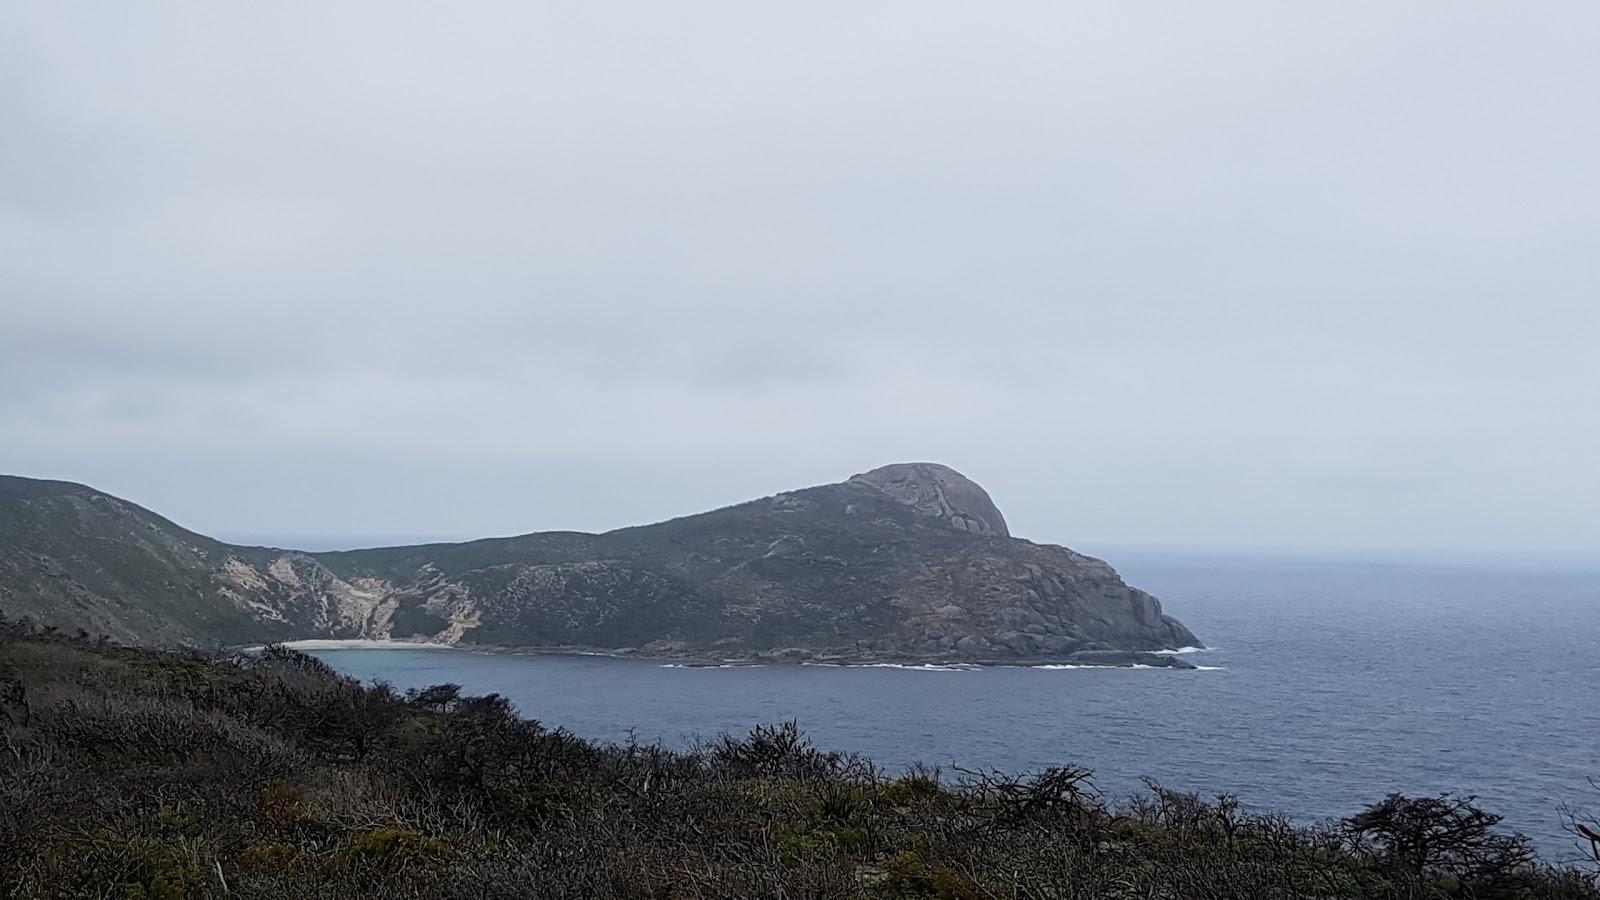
1328,686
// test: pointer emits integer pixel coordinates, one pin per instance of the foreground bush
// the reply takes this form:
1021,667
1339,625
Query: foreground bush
139,774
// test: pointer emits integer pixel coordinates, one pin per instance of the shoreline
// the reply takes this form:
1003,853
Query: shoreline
363,644
1111,659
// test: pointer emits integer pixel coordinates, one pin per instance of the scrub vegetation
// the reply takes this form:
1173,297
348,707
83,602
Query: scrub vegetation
132,773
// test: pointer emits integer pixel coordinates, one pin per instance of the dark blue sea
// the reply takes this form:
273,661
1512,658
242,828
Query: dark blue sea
1329,685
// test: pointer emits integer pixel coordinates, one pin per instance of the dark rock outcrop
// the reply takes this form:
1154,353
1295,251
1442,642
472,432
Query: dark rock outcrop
905,562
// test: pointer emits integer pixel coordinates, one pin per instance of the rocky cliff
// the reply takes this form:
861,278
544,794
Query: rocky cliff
905,562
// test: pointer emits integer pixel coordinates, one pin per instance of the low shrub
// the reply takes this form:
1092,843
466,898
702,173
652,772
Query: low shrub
135,773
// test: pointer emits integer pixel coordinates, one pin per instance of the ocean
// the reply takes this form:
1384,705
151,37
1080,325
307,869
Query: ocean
1326,686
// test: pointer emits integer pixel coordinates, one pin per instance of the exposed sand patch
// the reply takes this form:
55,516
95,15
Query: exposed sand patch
364,644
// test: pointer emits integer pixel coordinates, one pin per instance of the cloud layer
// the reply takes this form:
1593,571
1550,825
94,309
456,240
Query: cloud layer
1244,276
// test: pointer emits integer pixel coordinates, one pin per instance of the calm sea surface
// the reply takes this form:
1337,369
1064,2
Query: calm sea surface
1332,685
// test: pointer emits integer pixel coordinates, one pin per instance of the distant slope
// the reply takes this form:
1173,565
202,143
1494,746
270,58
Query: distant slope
911,561
74,557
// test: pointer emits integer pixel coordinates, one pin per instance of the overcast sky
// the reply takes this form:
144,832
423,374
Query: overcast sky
1253,277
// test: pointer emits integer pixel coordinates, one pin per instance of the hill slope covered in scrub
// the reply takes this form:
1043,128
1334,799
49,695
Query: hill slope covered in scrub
906,562
147,774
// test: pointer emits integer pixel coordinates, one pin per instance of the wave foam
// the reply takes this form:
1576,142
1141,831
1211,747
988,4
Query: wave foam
923,667
909,667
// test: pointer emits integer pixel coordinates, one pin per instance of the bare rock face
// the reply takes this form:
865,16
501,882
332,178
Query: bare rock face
940,491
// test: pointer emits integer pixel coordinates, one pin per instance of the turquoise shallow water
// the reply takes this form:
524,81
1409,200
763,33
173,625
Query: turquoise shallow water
1330,685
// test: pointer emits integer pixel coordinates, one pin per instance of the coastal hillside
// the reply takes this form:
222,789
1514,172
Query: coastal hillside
905,562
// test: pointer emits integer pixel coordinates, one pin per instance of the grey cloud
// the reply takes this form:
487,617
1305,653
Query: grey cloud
1237,276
